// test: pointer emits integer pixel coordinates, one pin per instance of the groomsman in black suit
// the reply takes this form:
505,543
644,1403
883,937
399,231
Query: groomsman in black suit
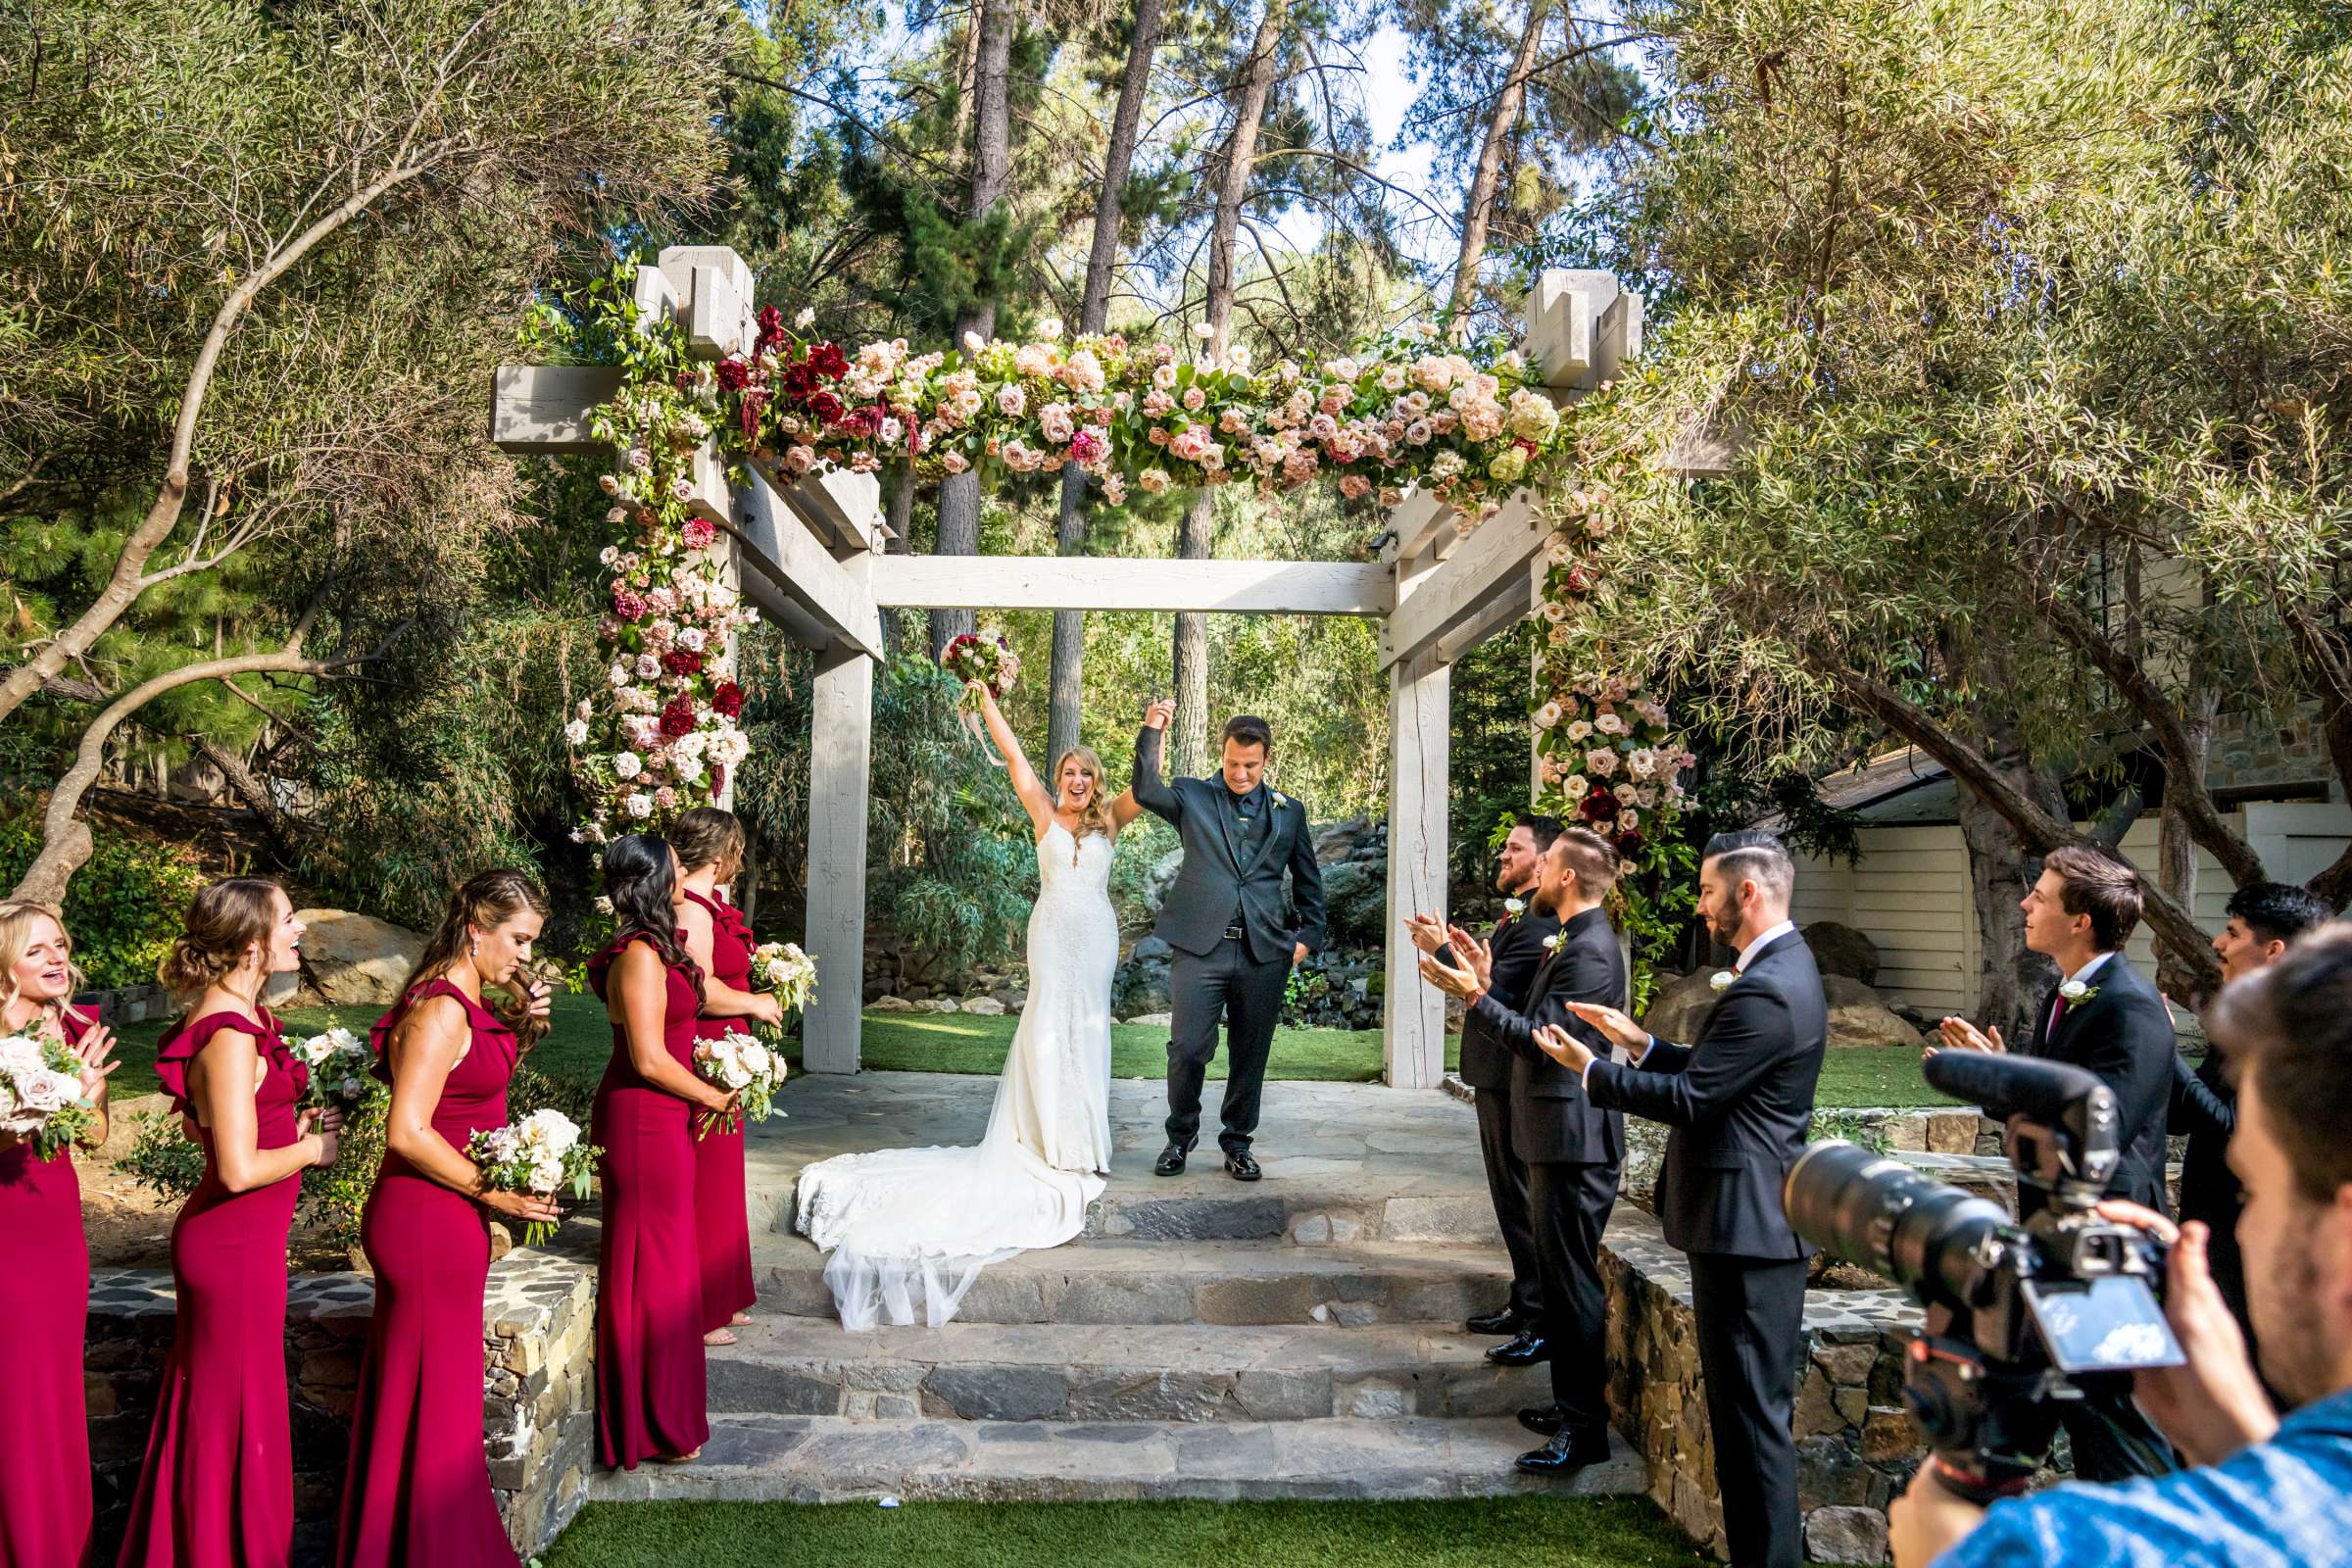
1740,1099
1573,1149
2107,1018
1519,946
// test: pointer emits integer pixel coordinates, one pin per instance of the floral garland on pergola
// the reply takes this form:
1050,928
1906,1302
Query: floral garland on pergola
1401,409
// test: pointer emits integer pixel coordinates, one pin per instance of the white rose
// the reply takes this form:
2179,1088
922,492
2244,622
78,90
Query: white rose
577,732
1548,715
639,805
628,764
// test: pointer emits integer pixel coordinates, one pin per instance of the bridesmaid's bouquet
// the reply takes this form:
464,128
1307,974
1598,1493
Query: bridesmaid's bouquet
986,658
40,1094
739,1063
340,1063
542,1155
783,970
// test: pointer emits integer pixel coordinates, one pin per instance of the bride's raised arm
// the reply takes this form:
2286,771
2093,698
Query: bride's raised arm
1025,783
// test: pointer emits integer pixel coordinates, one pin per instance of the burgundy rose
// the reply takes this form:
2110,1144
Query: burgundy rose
800,380
677,719
734,374
682,662
826,407
728,700
1599,806
771,327
829,361
1628,844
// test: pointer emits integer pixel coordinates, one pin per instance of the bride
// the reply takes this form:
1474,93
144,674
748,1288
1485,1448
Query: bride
910,1229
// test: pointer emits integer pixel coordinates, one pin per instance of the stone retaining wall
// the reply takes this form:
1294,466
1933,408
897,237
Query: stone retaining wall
538,1332
127,1003
1856,1443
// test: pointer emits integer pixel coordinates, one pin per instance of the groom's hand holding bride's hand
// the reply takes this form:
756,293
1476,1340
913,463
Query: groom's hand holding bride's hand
1160,715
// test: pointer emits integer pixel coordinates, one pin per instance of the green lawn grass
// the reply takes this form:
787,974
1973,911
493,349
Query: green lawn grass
576,1048
1561,1533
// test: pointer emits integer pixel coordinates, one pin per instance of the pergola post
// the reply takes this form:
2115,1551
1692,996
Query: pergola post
1420,725
840,748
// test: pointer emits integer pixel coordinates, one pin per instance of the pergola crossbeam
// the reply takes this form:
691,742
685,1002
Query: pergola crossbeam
1492,562
1105,582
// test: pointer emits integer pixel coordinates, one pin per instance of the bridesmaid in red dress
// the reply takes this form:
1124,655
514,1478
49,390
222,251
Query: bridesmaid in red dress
710,844
217,1488
416,1493
45,1289
649,1298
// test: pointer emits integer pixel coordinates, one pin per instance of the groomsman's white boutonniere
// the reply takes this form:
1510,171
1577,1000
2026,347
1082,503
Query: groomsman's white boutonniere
2074,992
1722,980
1514,907
1551,942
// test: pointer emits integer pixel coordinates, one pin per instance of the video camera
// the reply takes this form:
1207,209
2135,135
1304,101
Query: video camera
2021,1319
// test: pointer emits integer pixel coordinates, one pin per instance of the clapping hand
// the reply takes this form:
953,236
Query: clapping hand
1564,1048
96,1044
1475,956
1425,931
1454,982
1958,1034
1615,1025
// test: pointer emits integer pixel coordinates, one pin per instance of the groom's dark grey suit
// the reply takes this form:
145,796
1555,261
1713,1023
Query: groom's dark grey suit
1225,918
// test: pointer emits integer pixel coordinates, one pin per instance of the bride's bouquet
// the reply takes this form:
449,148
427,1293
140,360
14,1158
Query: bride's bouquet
339,1063
40,1094
784,970
542,1154
986,658
739,1063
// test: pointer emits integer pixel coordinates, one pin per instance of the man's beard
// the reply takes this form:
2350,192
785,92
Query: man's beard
2291,1342
1544,903
1725,928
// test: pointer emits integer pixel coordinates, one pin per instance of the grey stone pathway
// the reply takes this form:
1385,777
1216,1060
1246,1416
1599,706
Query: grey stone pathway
1300,1337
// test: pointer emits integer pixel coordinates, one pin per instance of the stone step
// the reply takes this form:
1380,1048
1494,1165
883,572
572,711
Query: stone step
829,1459
1188,1282
1076,1372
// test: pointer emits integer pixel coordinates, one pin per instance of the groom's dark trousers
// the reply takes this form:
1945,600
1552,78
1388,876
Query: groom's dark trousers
1232,934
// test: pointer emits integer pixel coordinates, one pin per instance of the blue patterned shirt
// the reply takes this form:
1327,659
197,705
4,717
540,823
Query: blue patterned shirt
2285,1503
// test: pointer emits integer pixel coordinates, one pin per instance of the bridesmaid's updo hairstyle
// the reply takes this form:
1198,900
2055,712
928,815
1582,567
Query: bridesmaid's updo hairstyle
487,900
225,920
708,836
643,888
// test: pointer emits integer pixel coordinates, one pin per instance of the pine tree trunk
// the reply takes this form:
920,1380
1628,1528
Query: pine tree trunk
1190,729
2176,848
992,177
1479,210
1067,685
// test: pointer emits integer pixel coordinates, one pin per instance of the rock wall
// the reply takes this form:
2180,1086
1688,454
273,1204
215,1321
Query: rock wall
538,1332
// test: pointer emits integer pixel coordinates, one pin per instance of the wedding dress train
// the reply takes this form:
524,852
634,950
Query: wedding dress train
910,1229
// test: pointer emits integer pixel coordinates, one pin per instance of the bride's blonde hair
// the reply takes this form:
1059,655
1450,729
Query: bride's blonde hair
1095,817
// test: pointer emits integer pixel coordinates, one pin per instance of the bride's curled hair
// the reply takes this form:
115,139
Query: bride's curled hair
1095,817
641,879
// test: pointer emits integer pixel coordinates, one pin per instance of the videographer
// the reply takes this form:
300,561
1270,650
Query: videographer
2266,1493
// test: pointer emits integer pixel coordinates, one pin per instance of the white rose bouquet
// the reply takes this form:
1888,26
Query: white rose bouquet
339,1063
40,1094
542,1155
740,1063
783,970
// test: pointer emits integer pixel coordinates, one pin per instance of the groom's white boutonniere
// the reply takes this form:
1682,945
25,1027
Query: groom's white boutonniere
1722,980
1281,800
2074,992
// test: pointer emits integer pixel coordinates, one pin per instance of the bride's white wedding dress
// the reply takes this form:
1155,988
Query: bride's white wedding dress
910,1229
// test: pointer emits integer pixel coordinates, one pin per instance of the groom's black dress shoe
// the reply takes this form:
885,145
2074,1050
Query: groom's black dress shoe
1171,1162
1526,1350
1570,1449
1541,1419
1241,1167
1504,1323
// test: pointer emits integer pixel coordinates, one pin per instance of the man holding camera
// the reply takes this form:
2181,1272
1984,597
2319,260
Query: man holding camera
2266,1493
1740,1099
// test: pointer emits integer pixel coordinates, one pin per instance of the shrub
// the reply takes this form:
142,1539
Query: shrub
124,907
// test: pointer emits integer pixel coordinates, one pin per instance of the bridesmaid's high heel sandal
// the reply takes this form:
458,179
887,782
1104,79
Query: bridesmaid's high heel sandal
719,1337
739,1320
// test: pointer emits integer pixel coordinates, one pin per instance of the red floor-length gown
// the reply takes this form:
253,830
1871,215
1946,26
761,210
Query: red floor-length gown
218,1486
650,1391
417,1491
722,1216
44,1304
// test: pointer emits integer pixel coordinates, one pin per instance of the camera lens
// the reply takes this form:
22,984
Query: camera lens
1886,1217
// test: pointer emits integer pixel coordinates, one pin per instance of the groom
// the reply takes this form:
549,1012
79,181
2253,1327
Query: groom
1224,917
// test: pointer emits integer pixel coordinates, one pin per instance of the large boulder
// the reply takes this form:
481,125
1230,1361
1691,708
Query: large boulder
357,959
1842,950
1355,895
1857,1016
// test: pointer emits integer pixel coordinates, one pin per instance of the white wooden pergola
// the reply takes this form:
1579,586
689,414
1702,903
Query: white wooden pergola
809,554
